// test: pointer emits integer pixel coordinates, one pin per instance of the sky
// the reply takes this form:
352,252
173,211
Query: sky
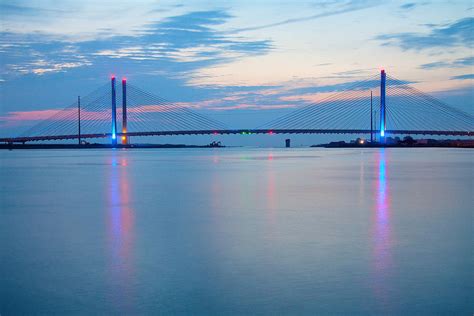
241,62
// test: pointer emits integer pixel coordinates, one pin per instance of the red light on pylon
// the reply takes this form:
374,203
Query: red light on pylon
124,79
112,77
270,132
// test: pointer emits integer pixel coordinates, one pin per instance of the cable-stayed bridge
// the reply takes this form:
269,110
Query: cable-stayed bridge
120,112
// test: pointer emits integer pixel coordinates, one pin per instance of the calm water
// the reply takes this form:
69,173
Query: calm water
237,231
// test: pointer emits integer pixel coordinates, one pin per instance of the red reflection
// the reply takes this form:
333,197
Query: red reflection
120,224
382,239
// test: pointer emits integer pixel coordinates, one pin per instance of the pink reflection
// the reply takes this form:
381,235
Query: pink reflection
120,224
381,231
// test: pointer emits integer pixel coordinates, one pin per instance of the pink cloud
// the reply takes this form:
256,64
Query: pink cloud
253,107
55,115
321,97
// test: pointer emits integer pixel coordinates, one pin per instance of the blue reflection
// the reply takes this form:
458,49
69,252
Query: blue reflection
382,261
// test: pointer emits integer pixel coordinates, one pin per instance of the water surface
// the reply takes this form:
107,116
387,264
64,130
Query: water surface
236,231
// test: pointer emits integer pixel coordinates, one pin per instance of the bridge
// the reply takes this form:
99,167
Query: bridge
378,106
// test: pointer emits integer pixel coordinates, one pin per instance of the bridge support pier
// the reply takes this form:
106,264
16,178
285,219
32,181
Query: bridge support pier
382,106
114,112
124,112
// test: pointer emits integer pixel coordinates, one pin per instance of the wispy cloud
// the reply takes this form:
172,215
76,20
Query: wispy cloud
457,63
10,10
463,77
408,6
458,33
351,74
340,8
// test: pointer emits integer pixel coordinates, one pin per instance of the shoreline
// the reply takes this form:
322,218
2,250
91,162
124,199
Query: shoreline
392,146
98,146
165,146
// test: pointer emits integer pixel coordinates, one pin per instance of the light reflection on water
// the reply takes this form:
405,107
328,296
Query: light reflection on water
236,231
382,235
120,234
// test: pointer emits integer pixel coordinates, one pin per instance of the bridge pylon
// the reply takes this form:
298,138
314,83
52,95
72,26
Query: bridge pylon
114,112
124,112
382,106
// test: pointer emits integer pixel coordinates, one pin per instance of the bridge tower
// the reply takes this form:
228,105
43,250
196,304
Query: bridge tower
114,112
382,106
124,112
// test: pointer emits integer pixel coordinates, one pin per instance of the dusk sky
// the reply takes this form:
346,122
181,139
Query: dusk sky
244,62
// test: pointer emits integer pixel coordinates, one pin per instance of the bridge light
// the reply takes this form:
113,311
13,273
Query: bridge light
124,138
270,132
382,133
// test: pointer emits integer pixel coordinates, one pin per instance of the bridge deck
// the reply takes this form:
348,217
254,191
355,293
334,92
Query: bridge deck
236,131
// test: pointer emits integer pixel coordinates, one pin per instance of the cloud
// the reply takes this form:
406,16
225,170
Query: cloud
457,63
350,85
408,6
289,94
20,10
350,74
179,44
456,34
51,115
463,77
343,7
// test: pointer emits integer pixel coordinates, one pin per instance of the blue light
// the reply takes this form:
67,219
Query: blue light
114,136
382,133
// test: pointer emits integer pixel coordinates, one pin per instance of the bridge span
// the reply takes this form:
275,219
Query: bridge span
232,132
396,108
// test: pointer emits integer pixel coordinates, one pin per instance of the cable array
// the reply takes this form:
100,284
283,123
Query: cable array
95,115
145,112
407,108
410,109
348,109
149,112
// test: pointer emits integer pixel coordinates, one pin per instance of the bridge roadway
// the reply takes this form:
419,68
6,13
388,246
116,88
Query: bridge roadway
236,131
